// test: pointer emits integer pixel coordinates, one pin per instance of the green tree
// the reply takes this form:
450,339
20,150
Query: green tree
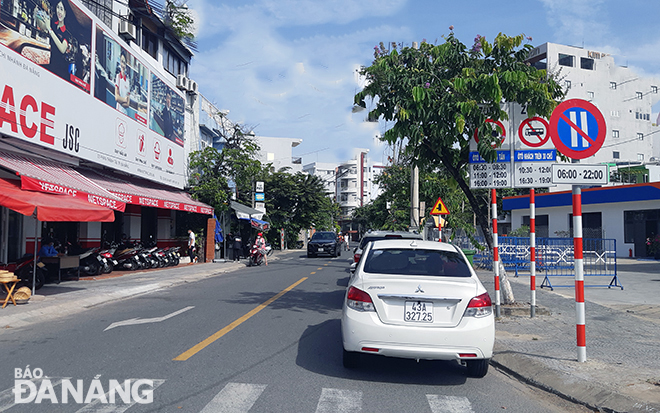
179,18
395,185
212,169
298,201
440,95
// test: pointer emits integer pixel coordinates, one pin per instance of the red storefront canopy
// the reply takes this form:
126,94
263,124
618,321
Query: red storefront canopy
145,193
51,207
38,174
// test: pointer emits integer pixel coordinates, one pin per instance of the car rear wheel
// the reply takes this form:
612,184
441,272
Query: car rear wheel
351,359
477,368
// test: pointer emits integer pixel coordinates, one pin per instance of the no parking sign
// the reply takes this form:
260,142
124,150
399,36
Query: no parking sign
577,128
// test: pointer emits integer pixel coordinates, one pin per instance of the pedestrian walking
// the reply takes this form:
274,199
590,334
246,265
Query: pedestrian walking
238,246
191,246
346,240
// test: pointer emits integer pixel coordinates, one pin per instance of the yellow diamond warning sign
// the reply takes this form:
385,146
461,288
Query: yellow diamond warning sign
439,208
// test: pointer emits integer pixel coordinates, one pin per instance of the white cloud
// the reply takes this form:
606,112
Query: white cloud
576,21
298,88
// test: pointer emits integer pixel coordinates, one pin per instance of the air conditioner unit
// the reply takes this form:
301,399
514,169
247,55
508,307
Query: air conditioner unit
192,86
182,82
127,30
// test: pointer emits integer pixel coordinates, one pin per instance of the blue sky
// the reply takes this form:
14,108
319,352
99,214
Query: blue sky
287,68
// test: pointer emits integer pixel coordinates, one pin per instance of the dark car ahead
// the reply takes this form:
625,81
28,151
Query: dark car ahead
323,242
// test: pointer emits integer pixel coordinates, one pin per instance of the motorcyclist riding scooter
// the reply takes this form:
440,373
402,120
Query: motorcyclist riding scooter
258,251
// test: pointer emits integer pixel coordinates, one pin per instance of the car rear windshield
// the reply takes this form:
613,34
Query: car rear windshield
416,262
324,235
364,241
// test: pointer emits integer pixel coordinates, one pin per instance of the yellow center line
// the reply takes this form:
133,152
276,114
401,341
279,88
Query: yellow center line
313,272
319,268
199,347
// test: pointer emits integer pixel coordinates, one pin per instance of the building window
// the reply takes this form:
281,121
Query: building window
615,133
640,157
586,63
149,43
613,85
567,84
566,60
654,89
640,136
590,95
101,8
615,155
639,95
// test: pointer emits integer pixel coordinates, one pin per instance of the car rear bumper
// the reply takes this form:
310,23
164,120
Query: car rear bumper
330,250
362,330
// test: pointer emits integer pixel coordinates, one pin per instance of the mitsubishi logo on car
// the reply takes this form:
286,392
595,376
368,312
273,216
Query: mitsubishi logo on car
419,289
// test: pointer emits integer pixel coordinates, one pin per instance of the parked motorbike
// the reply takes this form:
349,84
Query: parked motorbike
127,258
109,262
24,272
175,255
91,262
256,256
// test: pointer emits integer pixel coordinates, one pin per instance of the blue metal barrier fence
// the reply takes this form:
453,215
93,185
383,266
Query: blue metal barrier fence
554,257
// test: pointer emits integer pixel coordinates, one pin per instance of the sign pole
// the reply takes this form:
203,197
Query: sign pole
579,275
496,257
532,253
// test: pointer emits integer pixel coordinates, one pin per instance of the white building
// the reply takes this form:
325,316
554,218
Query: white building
623,97
278,152
627,213
326,172
115,118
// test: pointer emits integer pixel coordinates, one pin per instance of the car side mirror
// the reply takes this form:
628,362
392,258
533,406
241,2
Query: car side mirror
353,267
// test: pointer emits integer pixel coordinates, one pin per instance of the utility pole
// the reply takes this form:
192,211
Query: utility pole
414,188
414,199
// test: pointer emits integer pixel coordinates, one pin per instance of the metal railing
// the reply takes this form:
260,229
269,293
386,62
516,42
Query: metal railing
554,257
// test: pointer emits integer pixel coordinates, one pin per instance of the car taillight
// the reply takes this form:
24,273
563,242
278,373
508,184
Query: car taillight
479,306
359,300
356,257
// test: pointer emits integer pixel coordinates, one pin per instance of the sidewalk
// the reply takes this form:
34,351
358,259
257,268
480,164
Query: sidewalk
621,374
622,371
70,297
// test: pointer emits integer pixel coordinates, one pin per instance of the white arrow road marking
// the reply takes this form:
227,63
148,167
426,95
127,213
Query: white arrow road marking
134,321
449,404
339,401
235,398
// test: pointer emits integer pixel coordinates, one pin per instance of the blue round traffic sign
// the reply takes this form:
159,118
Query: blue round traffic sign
577,128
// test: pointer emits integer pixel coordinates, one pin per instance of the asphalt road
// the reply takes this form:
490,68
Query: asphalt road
263,339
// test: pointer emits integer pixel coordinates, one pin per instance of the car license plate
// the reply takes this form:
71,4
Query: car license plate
320,249
419,311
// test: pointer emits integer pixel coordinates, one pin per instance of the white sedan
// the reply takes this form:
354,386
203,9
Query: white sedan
418,300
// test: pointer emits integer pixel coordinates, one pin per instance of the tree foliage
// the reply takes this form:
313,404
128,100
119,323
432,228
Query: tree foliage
179,18
298,201
213,169
395,185
440,95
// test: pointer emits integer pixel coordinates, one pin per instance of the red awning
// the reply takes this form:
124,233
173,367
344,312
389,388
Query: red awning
142,192
53,177
51,207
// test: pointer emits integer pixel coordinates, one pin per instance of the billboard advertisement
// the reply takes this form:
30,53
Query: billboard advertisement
69,84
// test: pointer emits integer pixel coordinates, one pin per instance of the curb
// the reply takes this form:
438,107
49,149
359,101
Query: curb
563,384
